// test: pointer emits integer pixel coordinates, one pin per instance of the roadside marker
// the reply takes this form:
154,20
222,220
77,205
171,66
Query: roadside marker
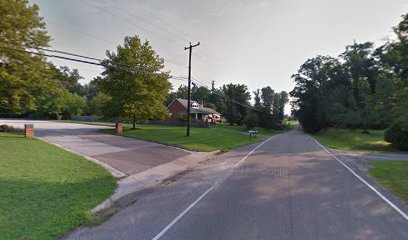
404,215
162,232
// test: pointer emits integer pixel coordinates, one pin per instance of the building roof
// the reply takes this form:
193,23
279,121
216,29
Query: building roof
200,109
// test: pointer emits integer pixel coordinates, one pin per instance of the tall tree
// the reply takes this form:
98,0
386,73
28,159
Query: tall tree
237,102
25,79
134,80
70,80
267,98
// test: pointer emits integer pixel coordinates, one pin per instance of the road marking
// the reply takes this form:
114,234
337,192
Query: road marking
404,215
162,232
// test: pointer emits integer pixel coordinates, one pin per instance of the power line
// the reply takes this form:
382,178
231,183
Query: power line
80,32
160,19
172,26
216,92
51,55
128,22
142,20
223,95
125,67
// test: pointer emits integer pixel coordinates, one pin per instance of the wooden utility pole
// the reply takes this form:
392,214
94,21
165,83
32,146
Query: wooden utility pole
190,48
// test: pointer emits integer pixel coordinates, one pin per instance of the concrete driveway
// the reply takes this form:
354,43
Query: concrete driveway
127,155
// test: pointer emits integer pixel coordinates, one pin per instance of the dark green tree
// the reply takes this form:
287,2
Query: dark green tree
135,81
236,102
25,79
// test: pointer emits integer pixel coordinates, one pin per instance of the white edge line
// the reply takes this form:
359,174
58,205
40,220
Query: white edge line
404,215
162,232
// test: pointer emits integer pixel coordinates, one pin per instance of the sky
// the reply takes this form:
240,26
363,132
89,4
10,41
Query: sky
258,43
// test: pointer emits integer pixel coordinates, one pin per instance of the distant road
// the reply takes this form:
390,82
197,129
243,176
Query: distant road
288,188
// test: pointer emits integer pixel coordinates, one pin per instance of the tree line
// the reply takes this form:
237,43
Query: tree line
233,101
364,87
132,86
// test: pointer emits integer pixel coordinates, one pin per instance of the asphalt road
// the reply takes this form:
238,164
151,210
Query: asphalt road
288,188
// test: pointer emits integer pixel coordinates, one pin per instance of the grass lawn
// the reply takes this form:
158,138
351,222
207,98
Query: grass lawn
46,191
355,140
218,137
392,175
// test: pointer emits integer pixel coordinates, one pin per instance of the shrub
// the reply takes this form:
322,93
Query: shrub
182,117
397,136
251,120
7,128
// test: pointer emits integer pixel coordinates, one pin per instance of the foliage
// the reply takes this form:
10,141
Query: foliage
183,117
91,89
7,128
365,87
251,120
236,93
397,135
45,190
134,81
72,104
98,104
24,78
69,79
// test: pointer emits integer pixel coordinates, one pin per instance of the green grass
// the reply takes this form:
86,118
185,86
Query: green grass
218,137
392,175
46,191
354,140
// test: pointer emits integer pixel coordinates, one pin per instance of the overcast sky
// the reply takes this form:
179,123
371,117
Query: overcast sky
258,43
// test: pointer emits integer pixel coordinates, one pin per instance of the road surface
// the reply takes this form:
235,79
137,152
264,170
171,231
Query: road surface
287,188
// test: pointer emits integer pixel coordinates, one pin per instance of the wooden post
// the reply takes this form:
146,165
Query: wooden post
29,130
119,128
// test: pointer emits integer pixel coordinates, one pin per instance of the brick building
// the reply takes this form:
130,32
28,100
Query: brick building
198,112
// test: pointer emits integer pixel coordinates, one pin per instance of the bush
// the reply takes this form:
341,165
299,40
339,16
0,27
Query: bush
7,128
182,117
397,136
251,120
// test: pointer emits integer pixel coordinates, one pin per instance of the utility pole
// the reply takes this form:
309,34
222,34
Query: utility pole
190,48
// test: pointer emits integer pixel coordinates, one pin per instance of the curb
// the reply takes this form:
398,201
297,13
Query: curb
130,187
115,173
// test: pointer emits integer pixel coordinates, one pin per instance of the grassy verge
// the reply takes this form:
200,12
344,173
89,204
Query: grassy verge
392,175
218,137
46,191
355,140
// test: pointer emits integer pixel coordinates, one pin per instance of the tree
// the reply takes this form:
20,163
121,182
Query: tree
237,102
91,89
73,104
267,98
69,79
181,92
98,104
308,93
133,78
251,120
281,99
200,94
258,105
25,79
